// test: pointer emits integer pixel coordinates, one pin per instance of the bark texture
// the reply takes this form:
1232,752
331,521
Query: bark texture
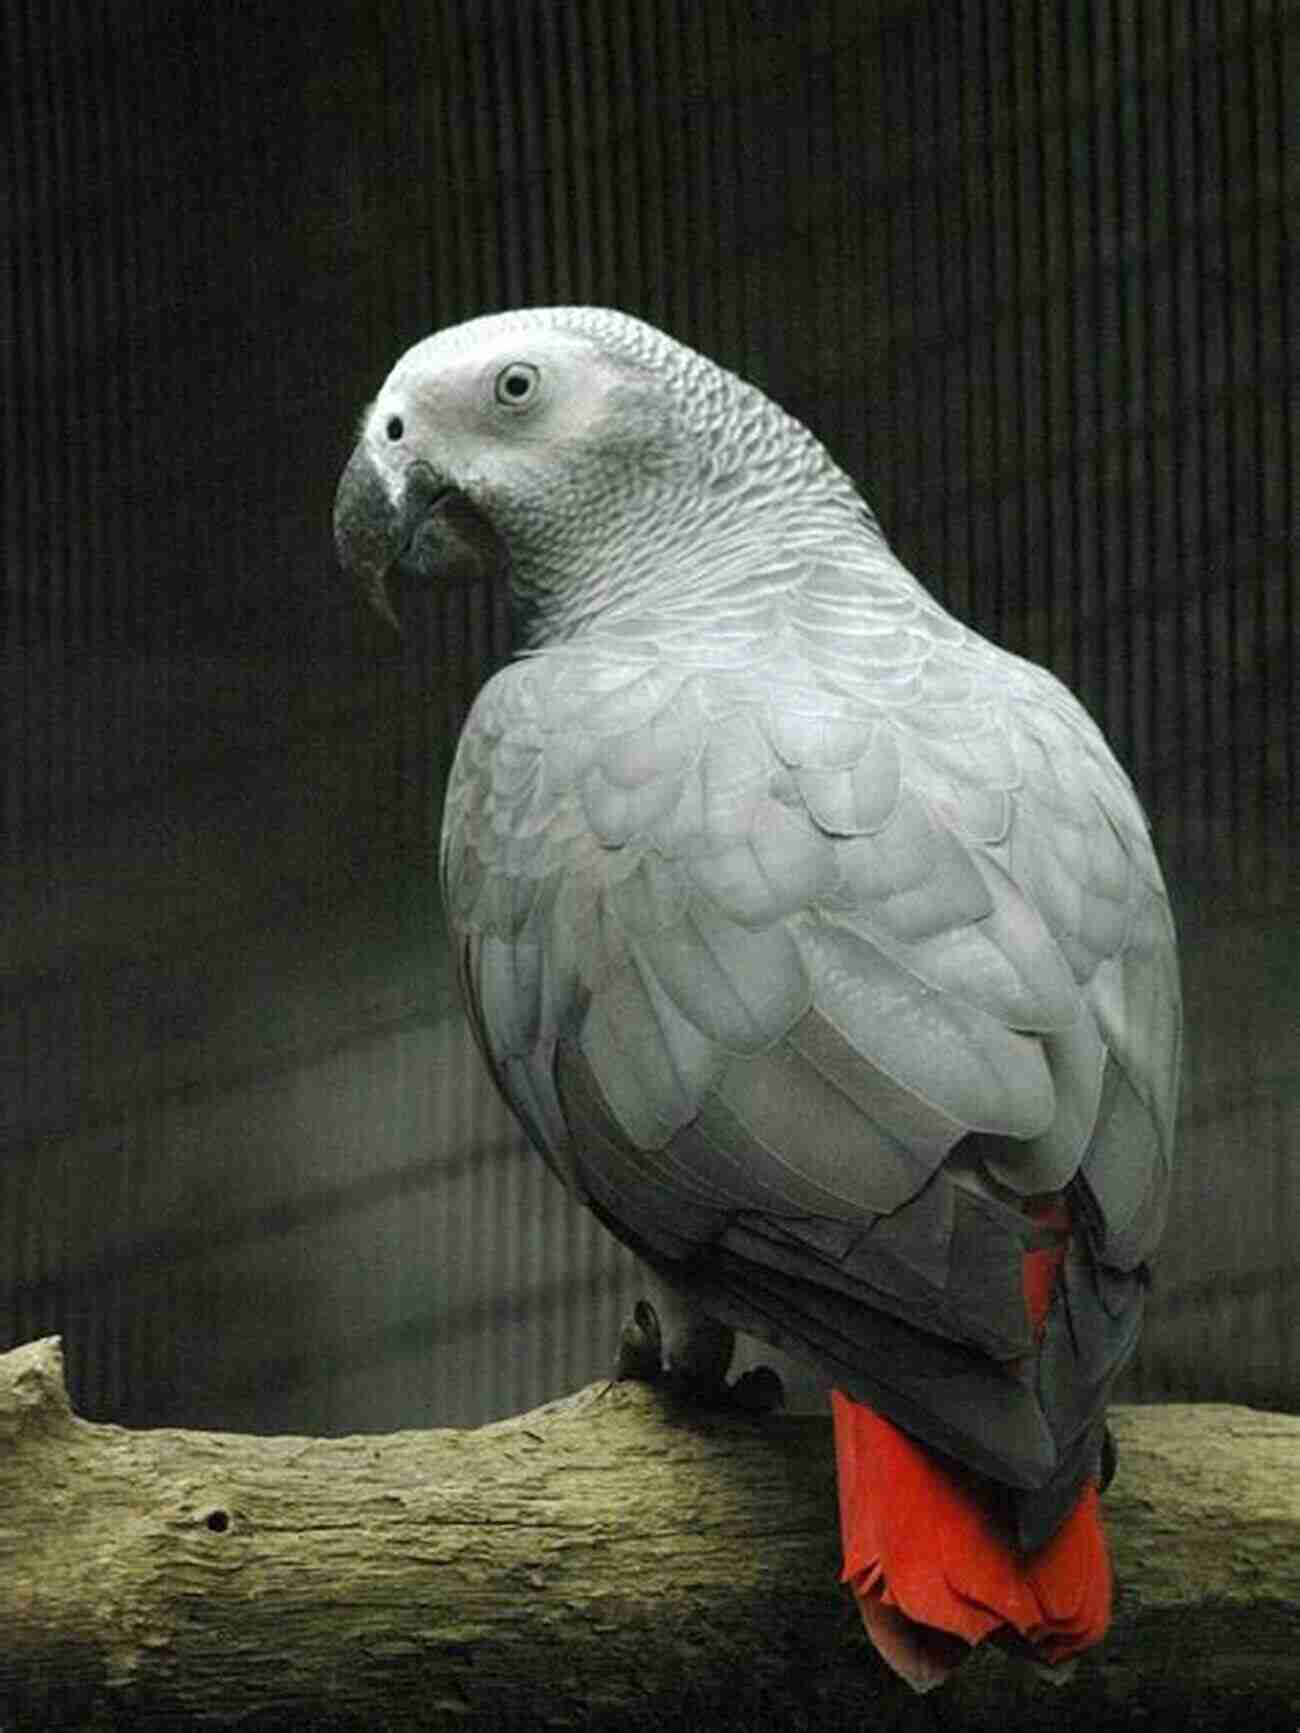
605,1561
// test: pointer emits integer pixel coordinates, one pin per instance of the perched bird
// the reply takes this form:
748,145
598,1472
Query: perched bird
818,944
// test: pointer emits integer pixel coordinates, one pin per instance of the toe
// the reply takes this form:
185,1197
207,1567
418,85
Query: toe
640,1348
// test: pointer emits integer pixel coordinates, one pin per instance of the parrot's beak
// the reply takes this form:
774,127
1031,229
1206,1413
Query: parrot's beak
429,531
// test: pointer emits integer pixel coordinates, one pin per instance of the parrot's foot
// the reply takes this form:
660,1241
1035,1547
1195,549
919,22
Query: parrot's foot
693,1365
641,1347
1109,1459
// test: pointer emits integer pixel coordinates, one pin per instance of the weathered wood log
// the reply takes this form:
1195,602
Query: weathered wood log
608,1560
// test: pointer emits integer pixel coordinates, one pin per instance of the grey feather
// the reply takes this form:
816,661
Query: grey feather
805,930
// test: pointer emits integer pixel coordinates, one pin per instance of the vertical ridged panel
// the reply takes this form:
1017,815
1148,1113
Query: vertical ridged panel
1030,270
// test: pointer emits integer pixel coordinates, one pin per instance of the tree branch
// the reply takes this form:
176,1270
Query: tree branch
607,1560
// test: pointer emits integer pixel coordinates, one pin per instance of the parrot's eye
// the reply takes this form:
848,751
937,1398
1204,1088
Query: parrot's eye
517,384
394,428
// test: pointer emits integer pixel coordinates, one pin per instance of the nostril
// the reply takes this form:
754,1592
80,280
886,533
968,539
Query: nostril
218,1521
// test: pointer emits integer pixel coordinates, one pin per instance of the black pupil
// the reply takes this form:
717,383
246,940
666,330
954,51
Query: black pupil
517,384
394,429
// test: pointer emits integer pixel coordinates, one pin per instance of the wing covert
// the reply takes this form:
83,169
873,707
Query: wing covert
806,925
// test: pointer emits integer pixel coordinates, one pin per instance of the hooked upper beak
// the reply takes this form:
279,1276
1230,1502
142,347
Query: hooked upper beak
429,530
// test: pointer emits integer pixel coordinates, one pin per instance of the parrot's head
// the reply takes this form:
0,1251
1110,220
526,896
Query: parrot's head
577,449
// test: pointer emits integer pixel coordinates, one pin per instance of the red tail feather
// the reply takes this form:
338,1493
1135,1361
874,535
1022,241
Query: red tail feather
930,1563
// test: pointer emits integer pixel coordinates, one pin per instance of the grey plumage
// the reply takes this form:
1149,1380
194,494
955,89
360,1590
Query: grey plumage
805,930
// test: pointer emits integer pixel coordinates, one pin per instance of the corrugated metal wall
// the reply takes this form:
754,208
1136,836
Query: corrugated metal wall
1029,268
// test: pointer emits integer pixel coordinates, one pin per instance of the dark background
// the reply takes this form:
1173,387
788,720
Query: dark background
1027,267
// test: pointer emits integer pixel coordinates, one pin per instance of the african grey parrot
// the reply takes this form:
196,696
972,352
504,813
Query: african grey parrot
818,944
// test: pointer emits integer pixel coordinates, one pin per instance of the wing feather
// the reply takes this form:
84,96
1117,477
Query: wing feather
778,955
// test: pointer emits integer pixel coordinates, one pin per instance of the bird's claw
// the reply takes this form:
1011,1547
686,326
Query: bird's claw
697,1372
641,1346
1109,1459
758,1391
